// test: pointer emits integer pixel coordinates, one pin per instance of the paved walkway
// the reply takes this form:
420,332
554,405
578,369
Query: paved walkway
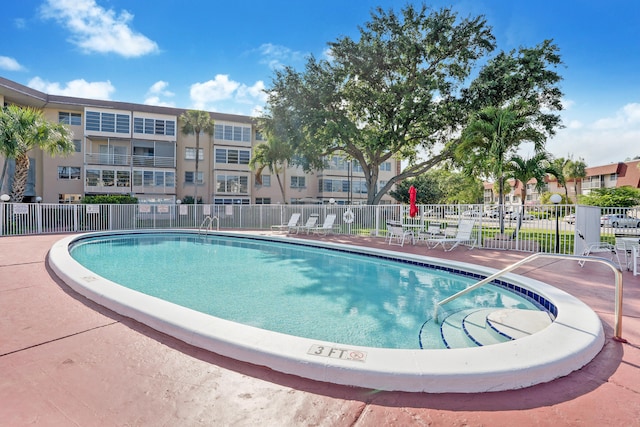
64,361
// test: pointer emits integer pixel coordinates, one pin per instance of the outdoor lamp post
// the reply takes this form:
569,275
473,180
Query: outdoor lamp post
556,199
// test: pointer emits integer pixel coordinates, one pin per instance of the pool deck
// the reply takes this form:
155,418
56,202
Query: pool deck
66,361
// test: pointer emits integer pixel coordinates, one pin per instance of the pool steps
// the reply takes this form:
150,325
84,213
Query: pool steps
488,326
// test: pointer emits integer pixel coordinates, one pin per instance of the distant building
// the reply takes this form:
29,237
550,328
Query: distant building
607,176
137,149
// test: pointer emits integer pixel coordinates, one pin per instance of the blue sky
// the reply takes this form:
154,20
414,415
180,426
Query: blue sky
219,56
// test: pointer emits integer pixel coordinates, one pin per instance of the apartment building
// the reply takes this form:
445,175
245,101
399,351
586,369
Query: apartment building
613,175
137,149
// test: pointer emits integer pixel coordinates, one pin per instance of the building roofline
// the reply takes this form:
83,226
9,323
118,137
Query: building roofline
41,100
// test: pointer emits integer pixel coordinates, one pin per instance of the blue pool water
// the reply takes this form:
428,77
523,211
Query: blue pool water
293,289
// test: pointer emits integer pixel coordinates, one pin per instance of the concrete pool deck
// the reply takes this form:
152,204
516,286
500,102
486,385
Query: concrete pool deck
66,361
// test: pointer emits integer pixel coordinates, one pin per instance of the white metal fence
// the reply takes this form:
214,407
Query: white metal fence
541,226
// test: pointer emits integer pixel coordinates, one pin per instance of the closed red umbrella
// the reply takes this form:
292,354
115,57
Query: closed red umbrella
413,209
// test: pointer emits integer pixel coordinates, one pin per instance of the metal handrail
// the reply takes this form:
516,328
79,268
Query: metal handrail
618,275
207,223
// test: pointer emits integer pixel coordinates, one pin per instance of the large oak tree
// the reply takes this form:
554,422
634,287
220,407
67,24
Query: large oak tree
404,91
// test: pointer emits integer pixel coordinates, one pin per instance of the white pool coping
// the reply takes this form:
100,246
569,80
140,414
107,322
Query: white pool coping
570,342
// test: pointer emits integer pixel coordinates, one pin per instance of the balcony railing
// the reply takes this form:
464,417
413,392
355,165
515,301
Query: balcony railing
128,160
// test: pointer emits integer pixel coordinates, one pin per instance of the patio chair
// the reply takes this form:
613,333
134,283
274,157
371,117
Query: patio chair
434,230
463,236
397,233
602,249
311,223
327,227
293,222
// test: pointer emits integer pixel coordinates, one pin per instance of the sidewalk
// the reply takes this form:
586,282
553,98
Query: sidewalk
66,361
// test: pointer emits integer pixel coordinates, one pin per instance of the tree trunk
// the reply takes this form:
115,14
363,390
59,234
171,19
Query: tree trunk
20,178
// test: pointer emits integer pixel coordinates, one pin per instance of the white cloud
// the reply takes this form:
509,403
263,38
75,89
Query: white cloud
156,91
276,56
76,88
223,94
607,140
218,89
95,29
10,64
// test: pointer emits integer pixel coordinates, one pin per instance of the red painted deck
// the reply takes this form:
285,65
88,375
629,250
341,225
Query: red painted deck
66,361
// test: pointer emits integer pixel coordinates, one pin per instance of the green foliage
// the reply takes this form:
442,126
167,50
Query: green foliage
391,94
440,186
427,190
188,200
626,196
273,155
110,199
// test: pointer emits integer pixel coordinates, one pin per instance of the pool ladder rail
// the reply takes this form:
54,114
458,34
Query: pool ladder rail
618,277
207,224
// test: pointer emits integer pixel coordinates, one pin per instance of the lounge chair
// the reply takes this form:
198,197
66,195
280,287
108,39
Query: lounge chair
601,249
327,227
397,233
311,223
463,236
293,222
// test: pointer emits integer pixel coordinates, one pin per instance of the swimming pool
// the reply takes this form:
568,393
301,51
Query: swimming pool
567,344
346,298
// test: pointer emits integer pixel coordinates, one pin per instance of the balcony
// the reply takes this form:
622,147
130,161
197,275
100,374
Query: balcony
128,160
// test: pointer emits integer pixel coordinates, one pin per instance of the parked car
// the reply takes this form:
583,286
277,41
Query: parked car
619,221
514,215
571,218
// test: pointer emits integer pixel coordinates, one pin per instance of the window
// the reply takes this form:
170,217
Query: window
263,200
235,157
266,181
107,122
189,175
232,184
386,166
613,177
124,178
69,118
154,126
232,156
122,123
232,133
298,182
93,121
108,178
68,172
190,153
77,145
259,137
92,178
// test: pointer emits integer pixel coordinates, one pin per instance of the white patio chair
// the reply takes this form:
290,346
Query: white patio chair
293,222
311,223
601,249
397,233
434,230
327,227
463,236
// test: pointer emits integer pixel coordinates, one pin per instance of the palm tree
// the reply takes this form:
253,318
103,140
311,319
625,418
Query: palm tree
196,122
22,129
274,155
575,169
491,136
523,170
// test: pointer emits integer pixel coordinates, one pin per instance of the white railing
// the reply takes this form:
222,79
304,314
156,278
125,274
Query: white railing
536,233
